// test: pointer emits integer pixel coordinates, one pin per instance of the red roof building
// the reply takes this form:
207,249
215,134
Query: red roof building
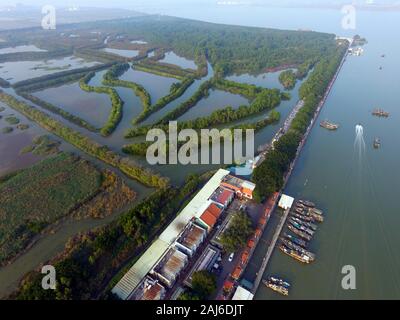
211,215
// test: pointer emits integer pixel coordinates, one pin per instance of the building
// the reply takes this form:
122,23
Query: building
194,209
242,294
285,202
149,289
191,238
169,267
135,275
223,197
242,188
210,216
206,262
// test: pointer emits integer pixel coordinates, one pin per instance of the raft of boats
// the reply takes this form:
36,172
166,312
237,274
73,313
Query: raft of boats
302,223
278,285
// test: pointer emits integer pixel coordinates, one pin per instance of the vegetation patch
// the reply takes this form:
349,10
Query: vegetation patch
237,233
42,145
91,260
7,129
57,187
12,120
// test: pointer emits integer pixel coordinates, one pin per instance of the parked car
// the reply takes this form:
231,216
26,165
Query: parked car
231,257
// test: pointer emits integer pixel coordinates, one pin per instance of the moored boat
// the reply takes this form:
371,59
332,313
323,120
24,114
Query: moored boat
296,240
307,203
276,287
300,233
295,254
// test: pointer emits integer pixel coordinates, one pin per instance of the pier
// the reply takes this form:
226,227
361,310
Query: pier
264,153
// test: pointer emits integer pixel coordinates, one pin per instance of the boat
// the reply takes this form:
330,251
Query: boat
329,125
295,254
307,203
279,281
303,217
299,249
377,143
317,217
296,240
302,228
380,113
310,225
276,287
300,233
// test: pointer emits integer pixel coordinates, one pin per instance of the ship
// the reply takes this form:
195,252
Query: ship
329,125
302,228
317,214
380,113
303,217
296,240
295,254
276,287
297,248
300,233
310,225
279,281
377,143
307,203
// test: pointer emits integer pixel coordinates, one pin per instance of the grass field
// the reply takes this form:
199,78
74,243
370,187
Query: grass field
37,196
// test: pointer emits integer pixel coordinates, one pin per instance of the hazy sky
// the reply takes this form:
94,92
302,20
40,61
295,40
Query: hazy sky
139,4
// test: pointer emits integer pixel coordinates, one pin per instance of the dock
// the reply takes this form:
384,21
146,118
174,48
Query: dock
271,247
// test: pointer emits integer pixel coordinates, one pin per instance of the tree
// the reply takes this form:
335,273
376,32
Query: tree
237,233
204,284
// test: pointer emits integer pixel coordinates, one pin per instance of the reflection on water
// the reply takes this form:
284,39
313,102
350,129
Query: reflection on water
25,48
122,52
172,58
157,86
22,70
265,80
91,106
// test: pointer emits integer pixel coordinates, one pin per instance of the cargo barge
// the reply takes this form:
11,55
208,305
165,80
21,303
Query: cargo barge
329,125
380,113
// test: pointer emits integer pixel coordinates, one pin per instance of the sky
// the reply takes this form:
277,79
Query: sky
142,4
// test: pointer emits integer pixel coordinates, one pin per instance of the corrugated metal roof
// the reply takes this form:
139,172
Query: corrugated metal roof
139,270
195,207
